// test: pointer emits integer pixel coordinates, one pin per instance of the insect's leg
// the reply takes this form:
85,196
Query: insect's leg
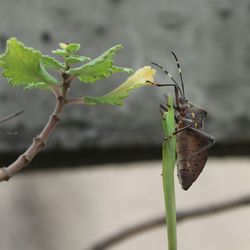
176,87
210,140
167,73
163,109
161,84
200,108
166,97
189,123
177,131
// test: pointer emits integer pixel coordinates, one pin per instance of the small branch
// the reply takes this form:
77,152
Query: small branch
160,221
11,116
75,101
39,142
67,79
55,89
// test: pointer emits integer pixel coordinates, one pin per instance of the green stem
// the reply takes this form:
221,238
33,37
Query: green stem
169,196
169,158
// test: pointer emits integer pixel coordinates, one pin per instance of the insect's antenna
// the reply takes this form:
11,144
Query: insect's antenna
167,73
179,69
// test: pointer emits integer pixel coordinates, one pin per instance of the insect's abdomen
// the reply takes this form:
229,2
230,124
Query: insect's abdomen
189,168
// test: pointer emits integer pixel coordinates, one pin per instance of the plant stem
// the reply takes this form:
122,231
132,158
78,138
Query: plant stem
75,101
182,216
169,197
168,163
39,142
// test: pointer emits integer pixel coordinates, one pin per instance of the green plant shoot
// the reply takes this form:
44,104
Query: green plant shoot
27,67
168,163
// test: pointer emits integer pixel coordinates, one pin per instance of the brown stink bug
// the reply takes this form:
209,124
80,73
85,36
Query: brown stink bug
192,142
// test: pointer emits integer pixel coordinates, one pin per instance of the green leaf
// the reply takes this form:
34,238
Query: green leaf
116,97
22,65
73,47
51,62
99,68
40,85
168,163
77,59
60,52
67,50
63,45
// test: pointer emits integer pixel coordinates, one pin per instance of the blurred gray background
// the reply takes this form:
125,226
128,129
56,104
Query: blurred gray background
211,39
72,208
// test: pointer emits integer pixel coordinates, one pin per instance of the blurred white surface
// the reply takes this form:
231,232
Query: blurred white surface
73,208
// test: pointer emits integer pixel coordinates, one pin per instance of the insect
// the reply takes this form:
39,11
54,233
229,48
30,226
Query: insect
192,142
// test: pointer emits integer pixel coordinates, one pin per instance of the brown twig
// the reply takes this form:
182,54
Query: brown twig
11,116
75,101
39,142
56,90
160,221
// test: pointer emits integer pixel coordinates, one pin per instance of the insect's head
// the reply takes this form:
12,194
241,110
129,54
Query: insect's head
183,102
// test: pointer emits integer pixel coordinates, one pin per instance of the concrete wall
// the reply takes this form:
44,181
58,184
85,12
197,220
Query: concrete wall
211,38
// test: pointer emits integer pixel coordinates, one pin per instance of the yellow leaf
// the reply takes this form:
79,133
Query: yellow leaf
63,45
116,97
